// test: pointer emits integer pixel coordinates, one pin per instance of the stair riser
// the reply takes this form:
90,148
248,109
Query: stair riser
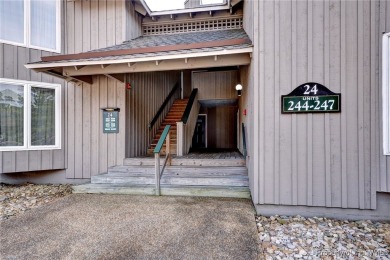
188,162
141,180
138,162
167,180
136,171
181,171
237,192
125,174
208,162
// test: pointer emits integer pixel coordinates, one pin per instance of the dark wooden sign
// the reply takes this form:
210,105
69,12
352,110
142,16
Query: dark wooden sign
110,120
311,98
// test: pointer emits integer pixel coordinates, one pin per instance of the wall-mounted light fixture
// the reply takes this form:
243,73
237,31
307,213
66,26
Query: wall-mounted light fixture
239,88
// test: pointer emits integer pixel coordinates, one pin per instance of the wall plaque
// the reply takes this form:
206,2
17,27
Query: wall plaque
311,98
110,120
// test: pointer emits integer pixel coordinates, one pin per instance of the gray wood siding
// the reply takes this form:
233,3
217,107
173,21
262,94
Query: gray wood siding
328,160
215,85
221,126
12,61
132,19
90,151
98,24
143,100
383,11
91,25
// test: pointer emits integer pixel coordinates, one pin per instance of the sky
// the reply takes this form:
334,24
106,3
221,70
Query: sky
160,5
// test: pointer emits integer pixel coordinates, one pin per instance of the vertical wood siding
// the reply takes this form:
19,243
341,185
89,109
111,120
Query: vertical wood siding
91,25
215,85
221,126
12,61
90,151
132,18
328,160
143,100
98,24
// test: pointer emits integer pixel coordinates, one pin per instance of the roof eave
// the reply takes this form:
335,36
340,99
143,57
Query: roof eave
82,71
135,60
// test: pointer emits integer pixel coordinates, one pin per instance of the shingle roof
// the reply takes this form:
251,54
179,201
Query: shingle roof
170,40
181,38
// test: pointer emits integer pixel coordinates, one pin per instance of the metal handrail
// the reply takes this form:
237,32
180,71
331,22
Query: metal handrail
187,111
243,139
164,104
165,136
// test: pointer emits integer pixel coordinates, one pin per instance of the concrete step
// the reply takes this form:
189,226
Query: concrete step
166,190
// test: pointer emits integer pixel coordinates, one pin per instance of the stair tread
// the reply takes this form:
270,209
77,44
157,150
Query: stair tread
170,190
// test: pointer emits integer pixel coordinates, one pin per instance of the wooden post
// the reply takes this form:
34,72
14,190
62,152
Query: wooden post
179,139
157,171
168,148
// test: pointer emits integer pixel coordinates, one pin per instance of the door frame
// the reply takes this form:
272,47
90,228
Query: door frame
205,128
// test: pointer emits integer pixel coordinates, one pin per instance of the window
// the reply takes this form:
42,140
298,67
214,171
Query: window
31,23
212,2
29,115
386,92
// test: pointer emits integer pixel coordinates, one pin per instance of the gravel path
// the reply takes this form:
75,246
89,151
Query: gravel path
321,238
15,199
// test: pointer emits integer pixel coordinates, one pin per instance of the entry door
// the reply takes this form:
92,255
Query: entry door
200,135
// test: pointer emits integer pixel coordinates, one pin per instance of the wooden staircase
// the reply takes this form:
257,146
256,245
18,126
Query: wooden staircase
174,115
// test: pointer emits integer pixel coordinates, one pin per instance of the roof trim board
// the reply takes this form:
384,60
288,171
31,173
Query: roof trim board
172,64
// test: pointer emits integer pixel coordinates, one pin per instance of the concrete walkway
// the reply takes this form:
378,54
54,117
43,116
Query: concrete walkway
132,227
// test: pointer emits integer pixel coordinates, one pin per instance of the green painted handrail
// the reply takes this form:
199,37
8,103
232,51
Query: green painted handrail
164,104
191,100
162,139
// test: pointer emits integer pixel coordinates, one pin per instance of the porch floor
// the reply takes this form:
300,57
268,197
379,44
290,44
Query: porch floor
213,154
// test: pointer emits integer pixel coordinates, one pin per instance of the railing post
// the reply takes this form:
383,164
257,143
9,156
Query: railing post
180,138
157,171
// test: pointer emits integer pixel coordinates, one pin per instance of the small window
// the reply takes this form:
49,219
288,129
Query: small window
212,2
29,115
31,23
386,92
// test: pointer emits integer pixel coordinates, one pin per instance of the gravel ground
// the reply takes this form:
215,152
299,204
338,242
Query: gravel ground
15,199
280,237
321,238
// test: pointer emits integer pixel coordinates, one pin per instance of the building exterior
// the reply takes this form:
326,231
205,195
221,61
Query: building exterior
120,54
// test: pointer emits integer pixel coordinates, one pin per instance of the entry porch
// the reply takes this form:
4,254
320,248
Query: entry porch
211,174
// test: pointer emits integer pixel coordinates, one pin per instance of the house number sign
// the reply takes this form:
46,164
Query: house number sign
110,120
311,98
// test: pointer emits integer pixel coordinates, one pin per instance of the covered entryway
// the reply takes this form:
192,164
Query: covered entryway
170,85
